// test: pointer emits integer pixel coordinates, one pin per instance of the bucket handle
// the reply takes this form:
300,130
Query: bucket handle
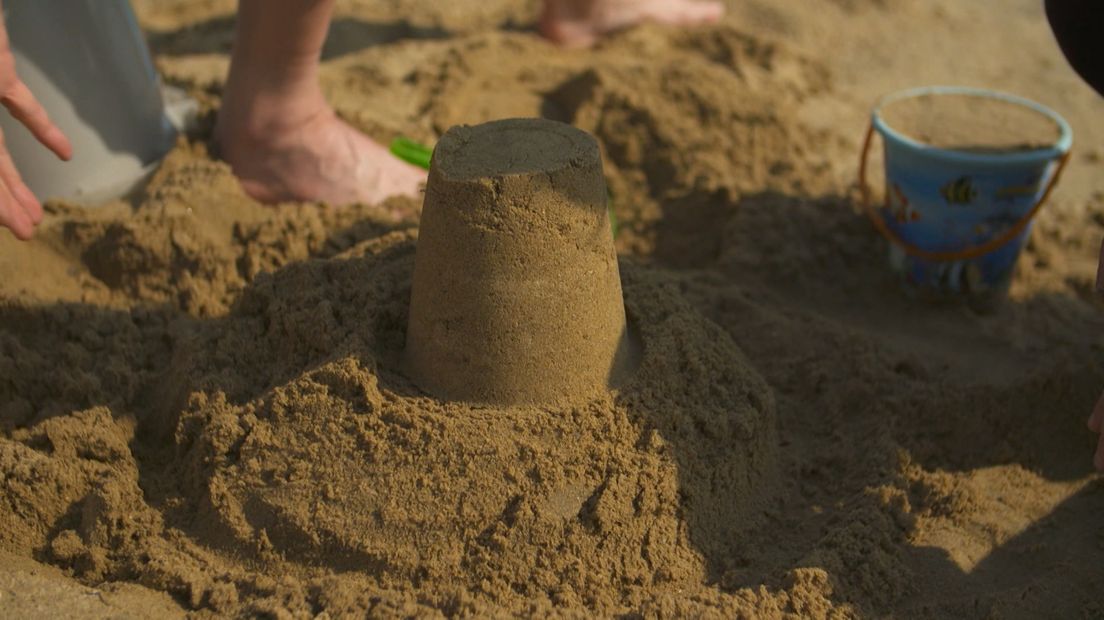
968,253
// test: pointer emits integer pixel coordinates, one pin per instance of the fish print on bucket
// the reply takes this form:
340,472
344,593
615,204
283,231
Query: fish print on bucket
959,191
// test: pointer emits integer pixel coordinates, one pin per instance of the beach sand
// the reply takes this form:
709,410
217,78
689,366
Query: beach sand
203,407
971,123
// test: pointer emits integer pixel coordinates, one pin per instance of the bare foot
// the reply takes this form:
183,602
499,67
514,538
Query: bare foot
580,23
276,129
321,158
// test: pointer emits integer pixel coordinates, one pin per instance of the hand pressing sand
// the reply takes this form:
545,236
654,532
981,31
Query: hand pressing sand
580,23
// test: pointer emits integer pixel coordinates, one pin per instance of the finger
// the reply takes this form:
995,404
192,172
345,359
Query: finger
13,217
22,194
1096,420
1098,460
27,110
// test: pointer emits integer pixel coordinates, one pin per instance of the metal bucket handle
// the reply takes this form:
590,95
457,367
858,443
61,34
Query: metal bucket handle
867,204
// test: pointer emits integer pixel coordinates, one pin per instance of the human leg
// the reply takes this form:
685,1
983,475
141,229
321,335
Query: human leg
275,129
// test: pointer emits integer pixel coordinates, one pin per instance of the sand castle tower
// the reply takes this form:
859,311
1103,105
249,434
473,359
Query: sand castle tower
516,293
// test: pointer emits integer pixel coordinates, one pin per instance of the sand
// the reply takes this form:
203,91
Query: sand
516,297
971,123
203,405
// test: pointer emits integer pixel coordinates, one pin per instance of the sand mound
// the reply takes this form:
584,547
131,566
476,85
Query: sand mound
298,443
343,465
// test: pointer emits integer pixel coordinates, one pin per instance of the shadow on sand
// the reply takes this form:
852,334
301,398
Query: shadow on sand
881,395
875,394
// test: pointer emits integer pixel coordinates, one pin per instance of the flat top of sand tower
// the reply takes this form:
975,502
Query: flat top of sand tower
513,147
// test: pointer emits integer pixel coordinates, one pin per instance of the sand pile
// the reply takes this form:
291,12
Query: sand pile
202,401
285,442
344,466
282,438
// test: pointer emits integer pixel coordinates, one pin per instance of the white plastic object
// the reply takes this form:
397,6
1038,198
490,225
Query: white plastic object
88,64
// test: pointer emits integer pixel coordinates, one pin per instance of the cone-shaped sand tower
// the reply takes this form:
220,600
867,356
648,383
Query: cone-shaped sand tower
516,294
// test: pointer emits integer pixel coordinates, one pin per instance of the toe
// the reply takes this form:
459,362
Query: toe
402,180
706,12
413,180
567,35
688,12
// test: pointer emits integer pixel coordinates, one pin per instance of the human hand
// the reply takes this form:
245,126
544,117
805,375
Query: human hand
1096,421
20,211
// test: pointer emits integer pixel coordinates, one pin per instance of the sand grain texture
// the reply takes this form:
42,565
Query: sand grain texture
516,296
202,403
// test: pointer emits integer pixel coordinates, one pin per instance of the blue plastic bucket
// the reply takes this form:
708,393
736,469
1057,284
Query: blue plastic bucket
957,220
